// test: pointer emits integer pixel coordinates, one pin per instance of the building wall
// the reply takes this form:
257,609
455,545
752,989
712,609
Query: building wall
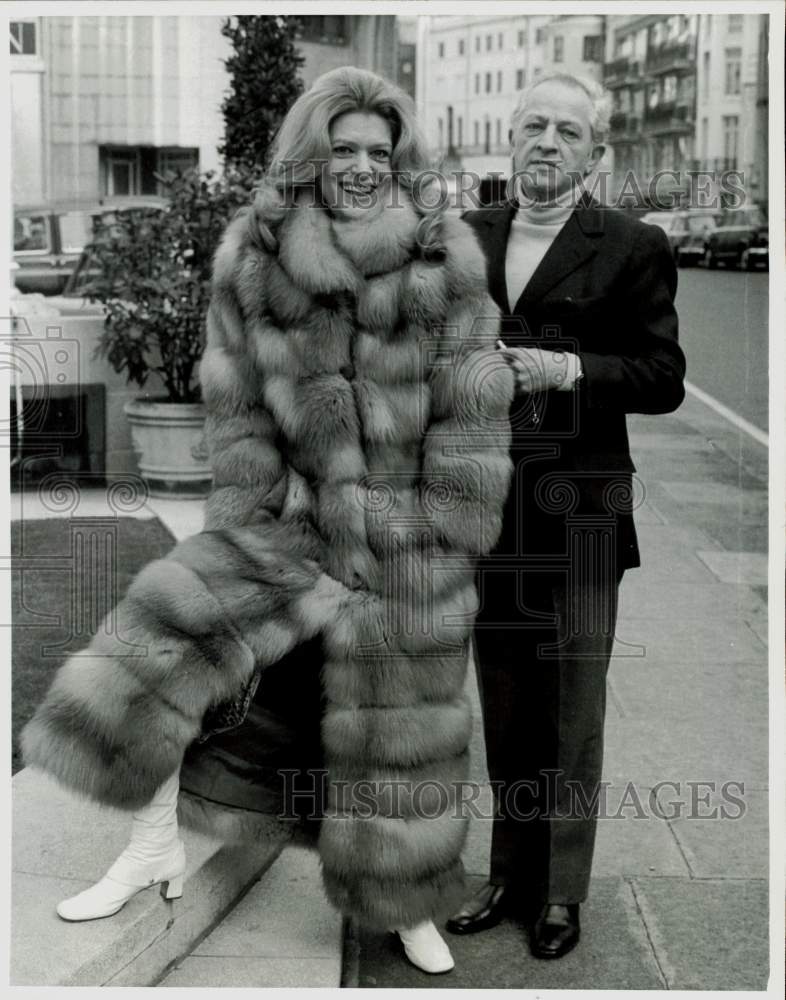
143,82
27,77
718,35
651,72
567,33
481,84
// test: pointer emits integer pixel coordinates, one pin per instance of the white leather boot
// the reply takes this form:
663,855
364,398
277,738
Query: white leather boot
155,854
424,947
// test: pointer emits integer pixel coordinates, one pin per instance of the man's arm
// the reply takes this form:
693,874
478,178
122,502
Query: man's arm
648,377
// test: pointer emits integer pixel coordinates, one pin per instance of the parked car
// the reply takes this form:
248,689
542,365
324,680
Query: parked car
741,239
49,239
687,230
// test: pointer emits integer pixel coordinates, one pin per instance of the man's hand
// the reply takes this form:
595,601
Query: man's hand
537,370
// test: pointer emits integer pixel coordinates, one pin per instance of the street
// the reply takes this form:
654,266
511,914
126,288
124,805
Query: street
724,333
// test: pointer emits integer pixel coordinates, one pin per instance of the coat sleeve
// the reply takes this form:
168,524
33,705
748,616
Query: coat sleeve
252,483
648,378
466,463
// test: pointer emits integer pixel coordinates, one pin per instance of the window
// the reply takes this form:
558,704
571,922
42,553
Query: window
477,83
705,130
122,172
487,138
477,43
500,40
499,80
177,159
477,133
734,23
23,38
592,48
461,46
460,121
540,36
559,48
706,75
499,132
133,170
519,79
441,132
733,70
522,39
488,83
441,50
327,29
731,132
489,42
31,234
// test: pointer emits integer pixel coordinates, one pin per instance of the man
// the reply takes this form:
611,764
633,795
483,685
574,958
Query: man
587,296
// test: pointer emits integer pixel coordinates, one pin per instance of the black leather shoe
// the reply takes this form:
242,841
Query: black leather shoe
484,910
556,931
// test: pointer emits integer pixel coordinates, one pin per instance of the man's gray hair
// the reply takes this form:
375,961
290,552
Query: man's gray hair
600,98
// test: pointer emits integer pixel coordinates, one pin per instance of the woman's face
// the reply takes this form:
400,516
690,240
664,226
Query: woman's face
361,145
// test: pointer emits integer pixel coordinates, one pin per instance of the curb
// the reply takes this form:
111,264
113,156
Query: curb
61,845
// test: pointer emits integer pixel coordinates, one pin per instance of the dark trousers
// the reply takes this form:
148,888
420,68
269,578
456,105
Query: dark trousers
542,676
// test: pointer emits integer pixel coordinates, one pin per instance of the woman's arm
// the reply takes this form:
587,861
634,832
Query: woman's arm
466,463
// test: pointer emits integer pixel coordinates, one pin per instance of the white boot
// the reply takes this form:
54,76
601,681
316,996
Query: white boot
155,854
424,947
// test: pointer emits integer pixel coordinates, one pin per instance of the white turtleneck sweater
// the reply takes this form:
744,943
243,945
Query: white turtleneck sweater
532,231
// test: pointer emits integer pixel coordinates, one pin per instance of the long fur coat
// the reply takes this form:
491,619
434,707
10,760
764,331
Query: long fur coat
358,426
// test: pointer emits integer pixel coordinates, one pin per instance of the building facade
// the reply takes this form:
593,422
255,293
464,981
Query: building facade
686,89
102,104
732,57
651,72
471,71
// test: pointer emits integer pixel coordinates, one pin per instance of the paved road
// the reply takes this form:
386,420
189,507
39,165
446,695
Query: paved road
724,332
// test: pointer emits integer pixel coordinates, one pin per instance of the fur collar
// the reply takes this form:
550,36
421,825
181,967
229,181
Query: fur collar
321,253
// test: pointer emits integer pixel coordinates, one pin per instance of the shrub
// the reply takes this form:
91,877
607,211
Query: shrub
150,268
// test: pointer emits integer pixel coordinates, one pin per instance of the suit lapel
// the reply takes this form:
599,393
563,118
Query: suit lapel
493,234
575,244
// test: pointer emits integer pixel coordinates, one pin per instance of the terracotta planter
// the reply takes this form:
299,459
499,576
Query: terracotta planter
169,442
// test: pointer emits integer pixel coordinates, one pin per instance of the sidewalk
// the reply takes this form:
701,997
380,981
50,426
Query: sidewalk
675,903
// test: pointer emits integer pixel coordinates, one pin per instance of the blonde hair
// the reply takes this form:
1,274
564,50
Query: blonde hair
302,143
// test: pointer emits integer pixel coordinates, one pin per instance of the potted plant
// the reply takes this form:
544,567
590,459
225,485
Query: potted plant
150,269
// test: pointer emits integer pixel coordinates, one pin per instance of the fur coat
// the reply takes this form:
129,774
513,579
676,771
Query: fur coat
358,427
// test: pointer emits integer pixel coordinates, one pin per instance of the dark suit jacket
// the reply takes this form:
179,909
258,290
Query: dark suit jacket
604,290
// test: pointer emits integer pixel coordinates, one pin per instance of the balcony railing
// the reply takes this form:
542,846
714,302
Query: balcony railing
713,164
624,127
671,57
669,116
620,72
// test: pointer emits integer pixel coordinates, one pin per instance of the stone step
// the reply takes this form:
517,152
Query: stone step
61,845
282,933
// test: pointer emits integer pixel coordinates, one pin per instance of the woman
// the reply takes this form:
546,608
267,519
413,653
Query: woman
357,420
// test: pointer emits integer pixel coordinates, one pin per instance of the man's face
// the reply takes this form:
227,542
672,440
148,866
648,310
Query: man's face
552,144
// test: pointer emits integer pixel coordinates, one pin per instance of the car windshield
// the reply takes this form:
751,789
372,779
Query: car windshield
666,222
76,228
743,217
698,223
31,233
